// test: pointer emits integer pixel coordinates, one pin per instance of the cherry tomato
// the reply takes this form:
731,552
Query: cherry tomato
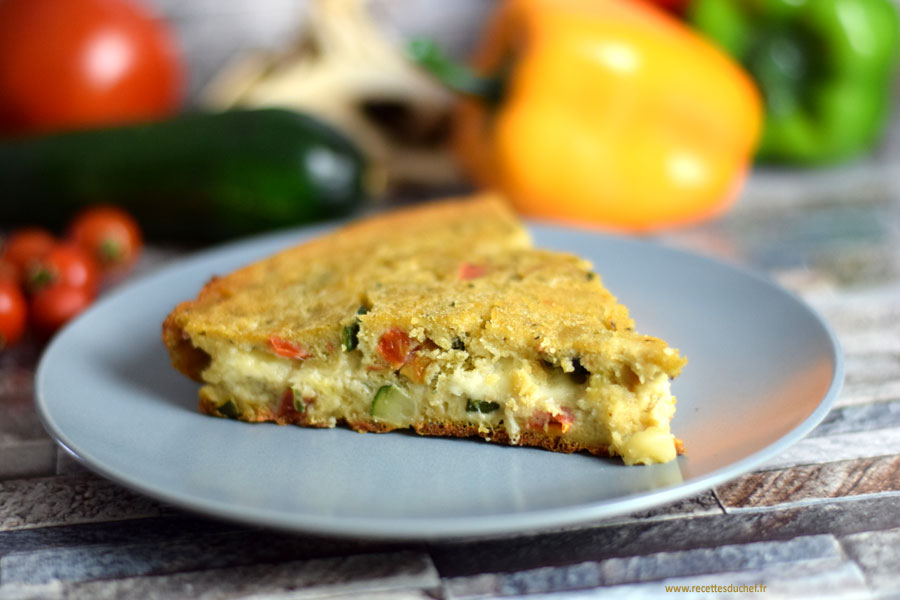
110,235
67,64
26,246
13,311
65,264
54,305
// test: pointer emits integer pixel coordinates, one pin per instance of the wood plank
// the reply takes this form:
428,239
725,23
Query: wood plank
878,553
43,502
403,573
843,446
18,420
148,530
866,417
867,323
27,458
610,540
751,563
865,392
814,580
811,482
174,553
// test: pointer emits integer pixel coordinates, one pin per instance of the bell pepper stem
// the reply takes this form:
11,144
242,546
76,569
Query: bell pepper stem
454,75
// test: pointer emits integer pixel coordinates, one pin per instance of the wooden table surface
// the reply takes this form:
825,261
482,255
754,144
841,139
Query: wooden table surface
822,519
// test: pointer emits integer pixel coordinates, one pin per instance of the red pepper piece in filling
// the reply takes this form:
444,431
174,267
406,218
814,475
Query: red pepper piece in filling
416,363
287,348
287,410
394,347
555,423
470,271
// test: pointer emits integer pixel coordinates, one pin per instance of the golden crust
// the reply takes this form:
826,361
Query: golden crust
406,267
304,292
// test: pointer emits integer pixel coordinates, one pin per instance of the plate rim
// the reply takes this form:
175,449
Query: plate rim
439,528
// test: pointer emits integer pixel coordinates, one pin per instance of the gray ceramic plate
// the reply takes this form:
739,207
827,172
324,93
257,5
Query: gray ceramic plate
763,370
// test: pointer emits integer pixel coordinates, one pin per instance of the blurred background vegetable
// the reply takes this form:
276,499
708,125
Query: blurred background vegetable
193,123
13,311
197,177
65,263
25,245
615,113
344,69
47,280
676,7
602,111
826,69
110,236
74,64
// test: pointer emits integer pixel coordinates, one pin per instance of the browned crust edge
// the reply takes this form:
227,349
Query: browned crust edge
185,357
526,438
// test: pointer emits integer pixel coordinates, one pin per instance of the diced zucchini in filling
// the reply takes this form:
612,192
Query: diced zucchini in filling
393,406
480,406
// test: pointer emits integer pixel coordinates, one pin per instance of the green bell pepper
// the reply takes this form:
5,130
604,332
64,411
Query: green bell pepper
825,69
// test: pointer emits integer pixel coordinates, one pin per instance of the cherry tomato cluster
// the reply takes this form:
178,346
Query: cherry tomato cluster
46,280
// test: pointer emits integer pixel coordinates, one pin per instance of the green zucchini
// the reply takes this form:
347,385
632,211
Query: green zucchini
394,406
197,176
481,406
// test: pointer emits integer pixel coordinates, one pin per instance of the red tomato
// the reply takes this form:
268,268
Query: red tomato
55,305
110,235
8,271
65,264
13,310
67,64
27,245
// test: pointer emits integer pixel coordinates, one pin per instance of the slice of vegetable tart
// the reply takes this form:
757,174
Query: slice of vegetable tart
441,317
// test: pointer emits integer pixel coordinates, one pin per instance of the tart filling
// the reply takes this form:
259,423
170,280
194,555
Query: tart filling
411,383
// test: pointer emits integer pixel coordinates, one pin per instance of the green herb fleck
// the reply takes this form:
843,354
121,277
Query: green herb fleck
350,333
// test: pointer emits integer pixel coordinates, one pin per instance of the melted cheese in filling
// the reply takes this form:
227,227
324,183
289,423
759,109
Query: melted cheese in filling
632,421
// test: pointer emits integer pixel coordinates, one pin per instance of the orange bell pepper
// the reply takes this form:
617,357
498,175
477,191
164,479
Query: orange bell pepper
607,111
